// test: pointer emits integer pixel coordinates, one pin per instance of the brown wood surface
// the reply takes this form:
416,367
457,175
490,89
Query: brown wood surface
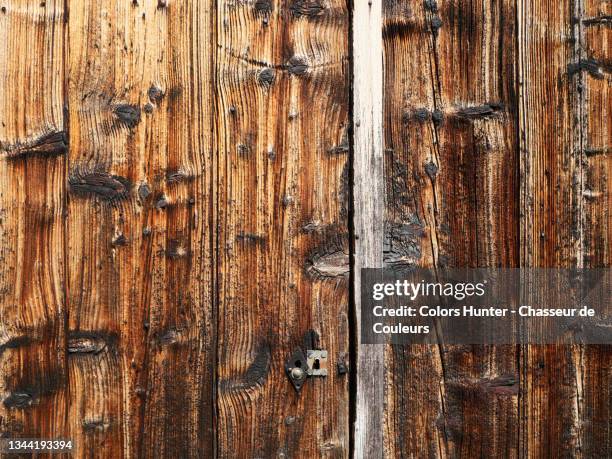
564,76
450,169
188,188
139,240
282,231
33,126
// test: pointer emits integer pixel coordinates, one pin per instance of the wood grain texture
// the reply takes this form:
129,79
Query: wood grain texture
451,184
368,222
187,197
565,170
32,206
282,111
139,229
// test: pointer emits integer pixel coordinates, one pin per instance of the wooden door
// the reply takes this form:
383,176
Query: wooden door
189,190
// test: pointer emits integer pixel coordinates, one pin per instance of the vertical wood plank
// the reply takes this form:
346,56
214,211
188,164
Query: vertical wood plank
451,165
32,205
565,133
141,326
596,409
368,213
282,111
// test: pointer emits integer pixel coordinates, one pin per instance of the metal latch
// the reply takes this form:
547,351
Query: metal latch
300,366
317,363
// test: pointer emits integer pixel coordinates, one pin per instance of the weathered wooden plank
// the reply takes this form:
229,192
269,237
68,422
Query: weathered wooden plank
139,228
32,205
596,409
282,112
451,180
368,213
565,133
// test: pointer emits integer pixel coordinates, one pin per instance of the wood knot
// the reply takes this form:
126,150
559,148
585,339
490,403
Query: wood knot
83,342
162,202
307,8
436,23
129,115
263,7
402,245
155,94
176,250
297,65
143,192
120,241
331,258
49,144
19,400
101,184
479,111
266,77
431,5
431,169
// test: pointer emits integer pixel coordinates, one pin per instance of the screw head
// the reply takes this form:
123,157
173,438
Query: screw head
297,373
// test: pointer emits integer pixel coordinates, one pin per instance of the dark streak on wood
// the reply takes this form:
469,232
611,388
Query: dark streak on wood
297,66
19,400
589,152
343,147
49,144
263,7
605,20
266,76
155,94
88,342
251,238
330,259
501,386
96,425
16,342
128,114
399,27
308,8
101,184
254,376
28,390
178,176
479,111
402,245
593,67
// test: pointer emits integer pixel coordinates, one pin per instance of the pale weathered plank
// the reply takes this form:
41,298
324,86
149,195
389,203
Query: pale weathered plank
139,239
32,206
282,117
368,216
